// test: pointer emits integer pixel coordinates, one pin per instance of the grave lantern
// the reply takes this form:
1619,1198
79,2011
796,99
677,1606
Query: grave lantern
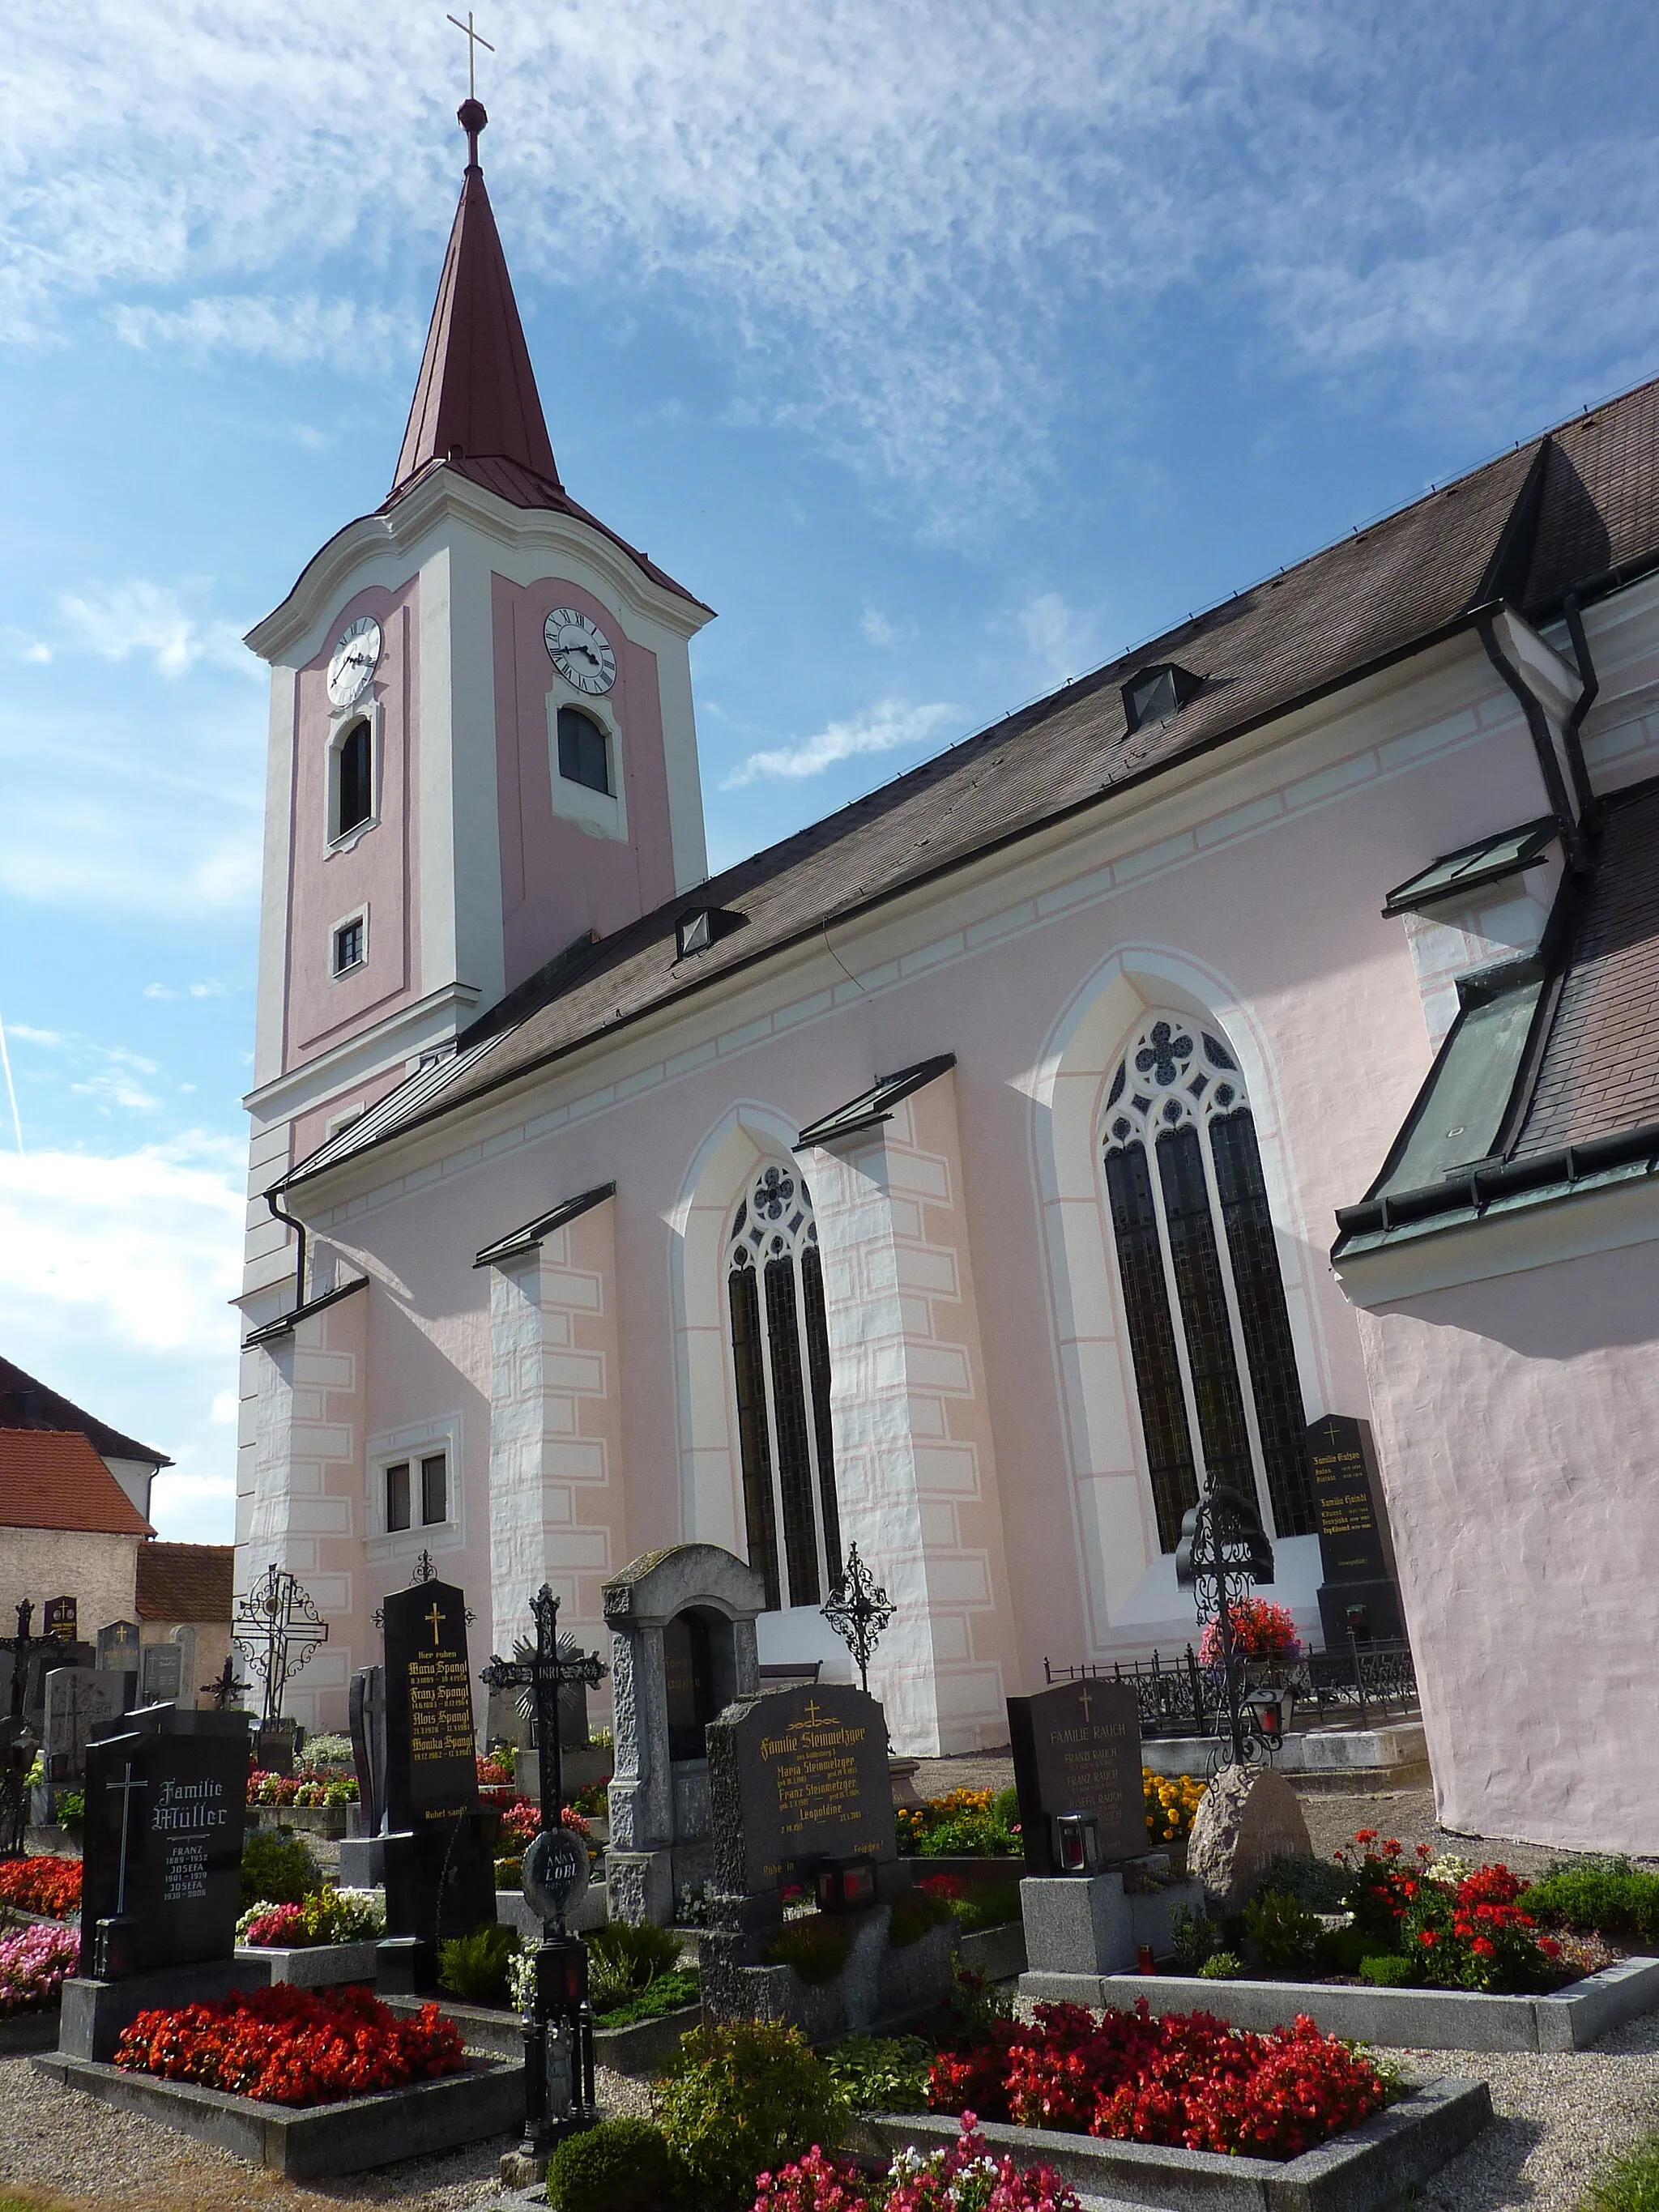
845,1885
1076,1842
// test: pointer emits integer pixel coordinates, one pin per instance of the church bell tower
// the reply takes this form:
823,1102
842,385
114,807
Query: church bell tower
481,742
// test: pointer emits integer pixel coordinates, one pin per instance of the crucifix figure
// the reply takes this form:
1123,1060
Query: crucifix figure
22,1648
474,40
224,1688
543,1672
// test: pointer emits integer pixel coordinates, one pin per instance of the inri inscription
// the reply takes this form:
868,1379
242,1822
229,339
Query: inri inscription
1077,1749
799,1776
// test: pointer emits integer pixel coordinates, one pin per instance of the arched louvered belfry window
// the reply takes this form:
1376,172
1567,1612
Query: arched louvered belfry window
781,1357
1209,1332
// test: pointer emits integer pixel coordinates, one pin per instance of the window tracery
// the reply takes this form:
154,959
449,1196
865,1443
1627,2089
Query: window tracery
780,1360
1209,1330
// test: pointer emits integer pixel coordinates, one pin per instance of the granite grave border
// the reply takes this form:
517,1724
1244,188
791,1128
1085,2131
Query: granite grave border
1362,2171
1421,2020
486,2099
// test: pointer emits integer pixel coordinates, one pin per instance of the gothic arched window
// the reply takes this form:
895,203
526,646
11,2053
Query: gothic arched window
1209,1333
781,1354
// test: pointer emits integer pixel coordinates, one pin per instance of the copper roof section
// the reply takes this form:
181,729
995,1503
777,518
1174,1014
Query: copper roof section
185,1582
53,1479
477,395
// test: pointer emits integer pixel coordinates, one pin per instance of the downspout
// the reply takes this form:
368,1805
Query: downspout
1581,706
1548,766
291,1221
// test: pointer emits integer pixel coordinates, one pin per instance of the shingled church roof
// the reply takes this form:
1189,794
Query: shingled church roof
1575,511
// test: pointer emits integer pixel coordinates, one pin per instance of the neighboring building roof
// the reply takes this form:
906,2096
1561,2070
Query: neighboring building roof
26,1403
53,1479
1549,1081
1577,510
185,1582
476,409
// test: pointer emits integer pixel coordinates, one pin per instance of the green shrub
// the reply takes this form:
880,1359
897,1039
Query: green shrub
509,1873
330,1751
1607,1896
1005,1807
1318,1884
882,2072
1282,1931
1631,2183
72,1809
969,1836
475,1968
332,1918
745,2098
1389,1970
1222,1966
278,1866
1342,1950
913,1912
667,1993
992,1906
624,1959
1194,1938
816,1947
620,2165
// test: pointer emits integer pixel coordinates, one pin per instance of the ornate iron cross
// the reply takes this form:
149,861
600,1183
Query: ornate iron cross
859,1609
22,1648
1224,1550
542,1670
277,1628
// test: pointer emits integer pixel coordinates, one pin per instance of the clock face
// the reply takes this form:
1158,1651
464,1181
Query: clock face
356,658
581,651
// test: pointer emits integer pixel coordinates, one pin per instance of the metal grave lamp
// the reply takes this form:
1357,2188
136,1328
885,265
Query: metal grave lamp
1076,1842
558,2020
846,1885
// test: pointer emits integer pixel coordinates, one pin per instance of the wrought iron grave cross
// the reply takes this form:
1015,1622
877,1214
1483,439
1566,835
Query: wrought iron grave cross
277,1628
543,1670
22,1648
1224,1550
859,1609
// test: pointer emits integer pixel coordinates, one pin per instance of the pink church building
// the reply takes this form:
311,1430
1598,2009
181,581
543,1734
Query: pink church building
1261,1027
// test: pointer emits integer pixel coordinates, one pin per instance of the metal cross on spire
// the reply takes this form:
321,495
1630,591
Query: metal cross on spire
474,40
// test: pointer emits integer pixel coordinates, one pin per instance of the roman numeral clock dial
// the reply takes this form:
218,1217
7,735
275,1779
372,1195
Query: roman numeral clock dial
581,651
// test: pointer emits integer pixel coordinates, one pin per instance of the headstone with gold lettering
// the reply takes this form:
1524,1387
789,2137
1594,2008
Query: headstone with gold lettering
803,1812
1076,1749
1358,1593
438,1856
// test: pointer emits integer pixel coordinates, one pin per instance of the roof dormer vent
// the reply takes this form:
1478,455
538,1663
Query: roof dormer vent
704,925
1153,695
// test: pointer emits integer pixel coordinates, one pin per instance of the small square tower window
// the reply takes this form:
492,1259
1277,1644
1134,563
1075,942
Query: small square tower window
348,945
584,750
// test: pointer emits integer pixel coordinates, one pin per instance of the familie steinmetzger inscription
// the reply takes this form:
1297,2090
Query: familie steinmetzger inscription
163,1843
1077,1749
798,1776
430,1771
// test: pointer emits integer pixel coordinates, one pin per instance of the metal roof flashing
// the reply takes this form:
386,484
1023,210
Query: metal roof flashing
1471,867
873,1107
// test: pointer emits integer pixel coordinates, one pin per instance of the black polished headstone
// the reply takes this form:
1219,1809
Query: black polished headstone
365,1717
62,1619
117,1646
1358,1591
798,1777
431,1767
1077,1749
162,1842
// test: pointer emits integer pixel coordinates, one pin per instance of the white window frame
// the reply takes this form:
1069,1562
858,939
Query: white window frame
600,813
340,722
414,1445
358,913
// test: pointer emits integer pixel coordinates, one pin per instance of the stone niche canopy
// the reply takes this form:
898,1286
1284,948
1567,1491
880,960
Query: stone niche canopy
682,1624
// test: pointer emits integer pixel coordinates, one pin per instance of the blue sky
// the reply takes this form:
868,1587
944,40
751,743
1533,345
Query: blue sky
946,348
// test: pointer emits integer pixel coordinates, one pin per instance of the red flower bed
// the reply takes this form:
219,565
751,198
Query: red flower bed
51,1885
289,2046
1188,2081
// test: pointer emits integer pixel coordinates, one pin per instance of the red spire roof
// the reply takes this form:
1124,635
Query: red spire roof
477,396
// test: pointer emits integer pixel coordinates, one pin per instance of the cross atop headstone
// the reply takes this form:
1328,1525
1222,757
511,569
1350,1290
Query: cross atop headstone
544,1672
224,1687
859,1609
277,1628
23,1648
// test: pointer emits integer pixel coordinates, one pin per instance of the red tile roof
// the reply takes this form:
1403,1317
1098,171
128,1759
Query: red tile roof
185,1582
53,1479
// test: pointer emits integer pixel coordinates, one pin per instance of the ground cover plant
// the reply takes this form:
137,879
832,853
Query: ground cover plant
965,2178
976,1905
1188,2080
882,2072
745,2098
283,2046
327,1915
963,1823
32,1965
670,1992
48,1885
624,1960
1604,1897
477,1967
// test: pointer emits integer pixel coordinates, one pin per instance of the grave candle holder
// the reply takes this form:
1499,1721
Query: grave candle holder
846,1885
1076,1842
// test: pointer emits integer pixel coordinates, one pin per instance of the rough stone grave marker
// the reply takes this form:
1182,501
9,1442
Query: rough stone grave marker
1077,1749
439,1853
80,1703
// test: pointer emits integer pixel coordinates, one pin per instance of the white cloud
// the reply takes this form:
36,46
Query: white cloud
885,728
49,1038
877,627
345,334
116,620
210,990
1059,638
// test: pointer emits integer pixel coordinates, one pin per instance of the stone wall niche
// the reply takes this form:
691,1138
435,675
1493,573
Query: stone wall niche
682,1624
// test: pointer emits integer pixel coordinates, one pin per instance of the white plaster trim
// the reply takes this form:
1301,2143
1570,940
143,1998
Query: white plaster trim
368,1054
1539,1235
600,813
419,1441
272,1002
354,913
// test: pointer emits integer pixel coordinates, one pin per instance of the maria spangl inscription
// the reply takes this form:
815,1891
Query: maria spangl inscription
431,1774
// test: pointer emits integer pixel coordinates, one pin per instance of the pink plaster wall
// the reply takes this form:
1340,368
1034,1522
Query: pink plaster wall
1515,1421
380,868
557,879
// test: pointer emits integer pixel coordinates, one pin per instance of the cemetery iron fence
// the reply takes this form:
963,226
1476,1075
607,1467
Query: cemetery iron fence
1187,1698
